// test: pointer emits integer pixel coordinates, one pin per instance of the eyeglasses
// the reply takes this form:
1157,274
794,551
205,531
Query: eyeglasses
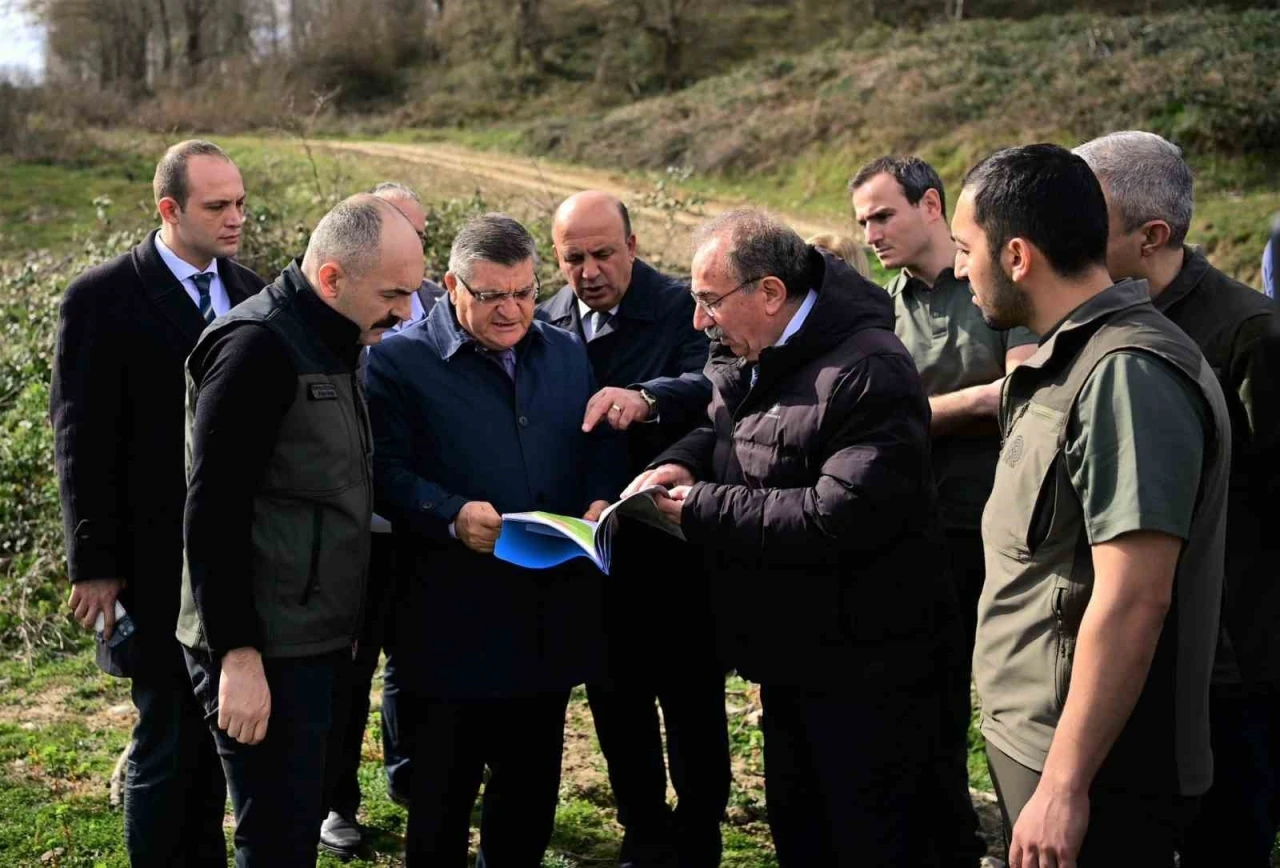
498,297
709,306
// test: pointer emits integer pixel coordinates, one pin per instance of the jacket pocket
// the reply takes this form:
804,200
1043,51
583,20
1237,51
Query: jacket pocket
313,574
1062,650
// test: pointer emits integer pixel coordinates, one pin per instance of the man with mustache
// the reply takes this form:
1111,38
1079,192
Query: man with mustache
810,496
900,204
124,329
637,325
277,517
478,412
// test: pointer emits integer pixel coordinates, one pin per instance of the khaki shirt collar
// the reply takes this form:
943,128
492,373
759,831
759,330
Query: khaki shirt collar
903,281
1120,296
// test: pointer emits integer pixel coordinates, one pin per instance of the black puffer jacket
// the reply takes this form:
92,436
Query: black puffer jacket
818,513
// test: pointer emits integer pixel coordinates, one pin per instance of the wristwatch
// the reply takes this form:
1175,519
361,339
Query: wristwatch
653,405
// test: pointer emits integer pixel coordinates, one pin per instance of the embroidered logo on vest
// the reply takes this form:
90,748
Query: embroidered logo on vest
1013,454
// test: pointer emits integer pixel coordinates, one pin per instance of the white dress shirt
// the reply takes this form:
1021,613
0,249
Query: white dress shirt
589,321
183,270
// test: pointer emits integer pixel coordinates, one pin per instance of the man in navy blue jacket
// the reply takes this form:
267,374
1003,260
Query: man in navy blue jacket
638,327
477,411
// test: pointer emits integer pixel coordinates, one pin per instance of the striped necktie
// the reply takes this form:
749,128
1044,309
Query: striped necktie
202,282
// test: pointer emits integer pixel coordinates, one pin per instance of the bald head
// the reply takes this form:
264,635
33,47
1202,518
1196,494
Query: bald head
595,247
364,260
406,201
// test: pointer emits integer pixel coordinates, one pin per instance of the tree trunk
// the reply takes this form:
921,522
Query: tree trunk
166,37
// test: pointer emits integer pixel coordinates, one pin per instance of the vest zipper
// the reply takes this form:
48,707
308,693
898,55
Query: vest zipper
317,520
1059,688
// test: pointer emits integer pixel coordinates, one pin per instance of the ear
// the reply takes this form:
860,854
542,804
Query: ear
931,203
169,209
631,245
1155,237
328,276
775,294
451,286
1016,258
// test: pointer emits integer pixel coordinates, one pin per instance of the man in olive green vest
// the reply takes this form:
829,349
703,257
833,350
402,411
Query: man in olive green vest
1104,533
1150,196
901,206
279,459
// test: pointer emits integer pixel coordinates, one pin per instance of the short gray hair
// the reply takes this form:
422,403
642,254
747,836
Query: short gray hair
349,235
1146,178
170,180
759,246
491,237
394,190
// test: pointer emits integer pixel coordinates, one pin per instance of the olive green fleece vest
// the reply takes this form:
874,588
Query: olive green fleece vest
311,514
1039,568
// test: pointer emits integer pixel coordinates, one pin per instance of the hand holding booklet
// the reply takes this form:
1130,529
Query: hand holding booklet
544,539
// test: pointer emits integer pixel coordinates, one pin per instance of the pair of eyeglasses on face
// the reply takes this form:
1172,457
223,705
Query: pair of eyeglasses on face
486,297
709,305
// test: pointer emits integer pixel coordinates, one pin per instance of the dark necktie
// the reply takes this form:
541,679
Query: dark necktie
599,319
508,360
202,281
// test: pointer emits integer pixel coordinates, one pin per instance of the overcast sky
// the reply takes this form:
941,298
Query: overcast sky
21,43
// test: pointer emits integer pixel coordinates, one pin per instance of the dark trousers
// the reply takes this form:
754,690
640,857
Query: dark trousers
959,843
351,700
174,793
626,720
521,741
1237,819
1131,824
277,785
848,775
399,717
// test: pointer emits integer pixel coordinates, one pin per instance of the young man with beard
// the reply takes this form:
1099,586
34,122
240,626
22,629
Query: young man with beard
1104,533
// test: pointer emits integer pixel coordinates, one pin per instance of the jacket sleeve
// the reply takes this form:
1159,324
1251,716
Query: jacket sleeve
873,476
86,399
1255,363
606,457
693,451
405,498
683,399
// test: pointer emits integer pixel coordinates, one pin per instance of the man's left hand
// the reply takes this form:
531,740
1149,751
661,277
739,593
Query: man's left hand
1050,829
621,407
594,510
672,506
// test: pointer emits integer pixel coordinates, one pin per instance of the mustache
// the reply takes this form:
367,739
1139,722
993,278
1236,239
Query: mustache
715,333
388,321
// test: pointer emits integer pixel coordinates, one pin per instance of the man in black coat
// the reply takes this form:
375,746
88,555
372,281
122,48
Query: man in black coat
812,496
637,327
124,330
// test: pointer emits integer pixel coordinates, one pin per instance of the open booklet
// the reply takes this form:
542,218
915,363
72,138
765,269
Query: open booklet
544,539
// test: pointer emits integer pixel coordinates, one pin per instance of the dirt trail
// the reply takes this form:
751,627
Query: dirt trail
532,175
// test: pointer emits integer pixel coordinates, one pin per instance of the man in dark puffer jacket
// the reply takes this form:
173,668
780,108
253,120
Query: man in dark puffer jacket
811,495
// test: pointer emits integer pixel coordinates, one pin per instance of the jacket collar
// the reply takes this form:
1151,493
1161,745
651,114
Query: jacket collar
447,336
167,293
1124,295
1194,268
339,335
640,303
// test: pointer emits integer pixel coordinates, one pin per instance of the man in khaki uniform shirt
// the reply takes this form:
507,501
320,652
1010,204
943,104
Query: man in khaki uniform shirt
1150,196
1104,534
900,204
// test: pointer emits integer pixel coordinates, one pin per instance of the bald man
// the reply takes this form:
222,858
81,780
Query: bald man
637,325
277,516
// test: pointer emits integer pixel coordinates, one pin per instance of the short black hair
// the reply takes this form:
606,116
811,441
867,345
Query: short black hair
626,219
1047,195
914,176
170,181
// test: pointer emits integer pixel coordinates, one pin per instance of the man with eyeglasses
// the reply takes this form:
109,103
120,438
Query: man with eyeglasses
478,412
647,356
811,496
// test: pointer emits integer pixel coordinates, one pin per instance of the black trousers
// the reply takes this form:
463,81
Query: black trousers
959,843
277,785
351,698
626,720
174,790
1133,823
1238,817
848,775
521,741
